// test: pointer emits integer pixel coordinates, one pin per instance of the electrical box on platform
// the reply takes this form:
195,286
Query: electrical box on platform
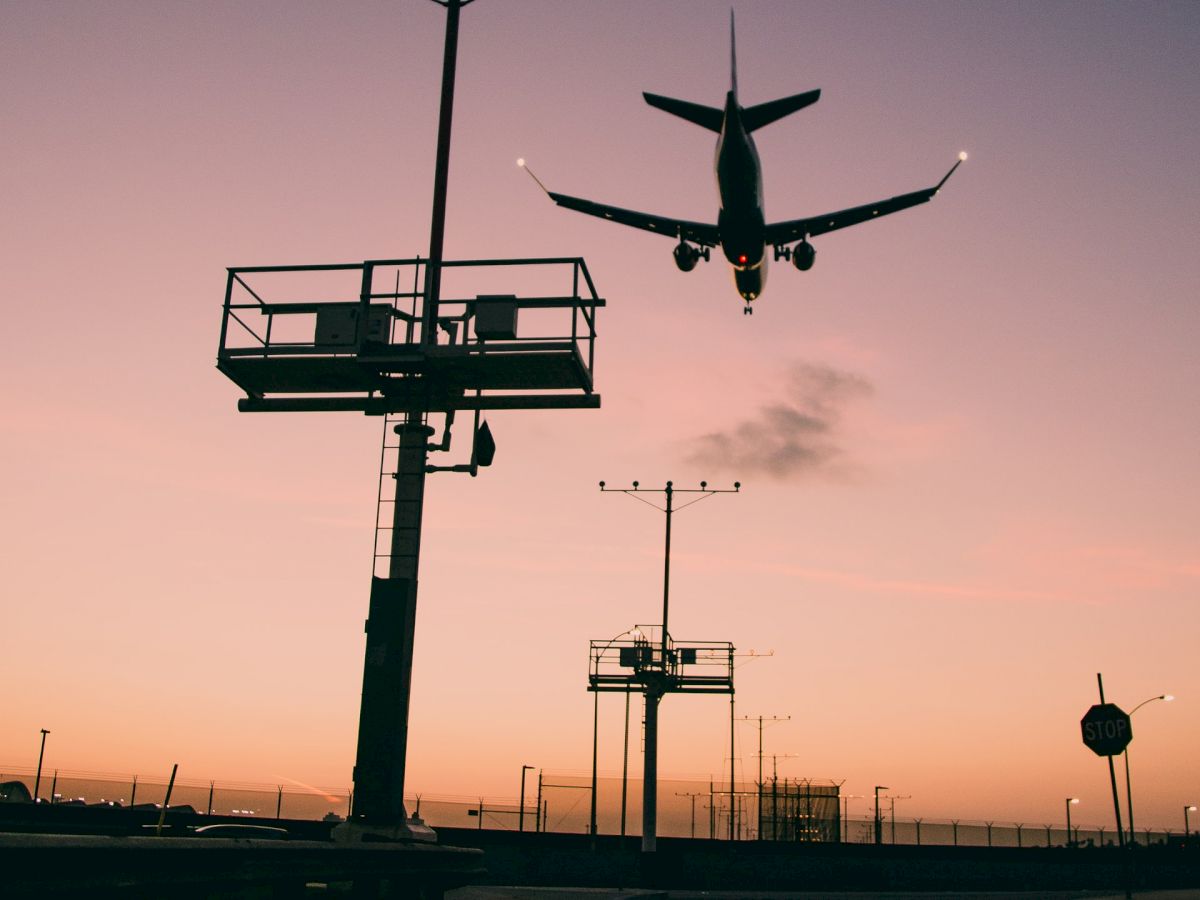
337,324
496,317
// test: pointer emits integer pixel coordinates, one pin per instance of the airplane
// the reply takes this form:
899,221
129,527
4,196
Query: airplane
741,230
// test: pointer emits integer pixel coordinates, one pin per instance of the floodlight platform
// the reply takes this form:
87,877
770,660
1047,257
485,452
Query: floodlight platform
361,346
688,667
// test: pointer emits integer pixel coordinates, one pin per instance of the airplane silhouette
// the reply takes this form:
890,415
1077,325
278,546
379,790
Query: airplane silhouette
741,230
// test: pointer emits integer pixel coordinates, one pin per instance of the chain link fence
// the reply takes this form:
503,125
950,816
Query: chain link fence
561,802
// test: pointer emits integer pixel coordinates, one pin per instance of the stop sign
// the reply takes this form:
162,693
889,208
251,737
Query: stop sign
1107,730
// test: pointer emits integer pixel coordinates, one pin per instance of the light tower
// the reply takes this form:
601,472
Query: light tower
658,666
355,337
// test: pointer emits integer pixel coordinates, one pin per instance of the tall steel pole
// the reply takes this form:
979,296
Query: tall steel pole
391,622
391,625
441,175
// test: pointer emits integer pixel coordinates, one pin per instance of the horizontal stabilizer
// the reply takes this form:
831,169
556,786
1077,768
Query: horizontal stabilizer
705,116
765,113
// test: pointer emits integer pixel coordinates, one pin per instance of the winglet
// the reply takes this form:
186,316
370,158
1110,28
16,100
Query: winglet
962,157
538,181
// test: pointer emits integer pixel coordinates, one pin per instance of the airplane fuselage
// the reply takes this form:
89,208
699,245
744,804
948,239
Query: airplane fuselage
740,222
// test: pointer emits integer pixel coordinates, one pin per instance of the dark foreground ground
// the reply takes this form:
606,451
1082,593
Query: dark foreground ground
693,868
52,852
527,893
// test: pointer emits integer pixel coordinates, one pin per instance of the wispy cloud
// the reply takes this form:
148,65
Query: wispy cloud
795,437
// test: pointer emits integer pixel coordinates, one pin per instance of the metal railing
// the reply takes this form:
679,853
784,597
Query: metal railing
276,312
688,665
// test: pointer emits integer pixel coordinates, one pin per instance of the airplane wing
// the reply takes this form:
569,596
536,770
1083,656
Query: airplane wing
696,232
797,229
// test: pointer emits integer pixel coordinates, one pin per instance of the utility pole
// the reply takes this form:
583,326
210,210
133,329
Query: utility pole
893,812
693,797
878,820
846,798
537,821
761,719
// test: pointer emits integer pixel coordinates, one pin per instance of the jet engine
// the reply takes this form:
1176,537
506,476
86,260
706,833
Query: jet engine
803,256
686,256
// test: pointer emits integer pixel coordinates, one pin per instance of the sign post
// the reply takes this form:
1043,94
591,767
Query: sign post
1107,731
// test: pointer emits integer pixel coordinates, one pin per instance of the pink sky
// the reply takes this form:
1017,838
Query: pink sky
1009,503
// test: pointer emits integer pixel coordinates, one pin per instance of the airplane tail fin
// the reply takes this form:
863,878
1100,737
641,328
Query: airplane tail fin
712,118
732,56
765,113
705,116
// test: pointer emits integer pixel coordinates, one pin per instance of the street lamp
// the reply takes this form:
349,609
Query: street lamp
521,816
1186,824
1071,801
1128,789
879,821
37,782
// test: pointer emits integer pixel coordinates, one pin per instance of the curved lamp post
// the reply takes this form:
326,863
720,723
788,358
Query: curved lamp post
1071,801
1128,790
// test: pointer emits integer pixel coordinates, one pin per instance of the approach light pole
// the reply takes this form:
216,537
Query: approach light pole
1129,790
670,491
761,719
878,820
1187,826
37,782
1071,801
659,679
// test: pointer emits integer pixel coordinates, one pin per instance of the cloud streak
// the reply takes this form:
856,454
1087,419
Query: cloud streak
794,438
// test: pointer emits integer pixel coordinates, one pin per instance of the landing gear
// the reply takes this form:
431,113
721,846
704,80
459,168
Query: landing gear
747,310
